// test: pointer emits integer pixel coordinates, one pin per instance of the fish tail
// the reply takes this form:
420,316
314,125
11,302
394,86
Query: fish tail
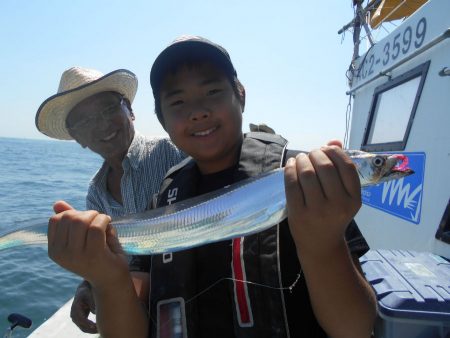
18,235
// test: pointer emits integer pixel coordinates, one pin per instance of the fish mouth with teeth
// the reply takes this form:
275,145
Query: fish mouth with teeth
397,166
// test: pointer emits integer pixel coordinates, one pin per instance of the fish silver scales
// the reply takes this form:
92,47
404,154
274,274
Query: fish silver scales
241,209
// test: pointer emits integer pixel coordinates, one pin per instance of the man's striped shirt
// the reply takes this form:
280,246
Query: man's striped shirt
144,166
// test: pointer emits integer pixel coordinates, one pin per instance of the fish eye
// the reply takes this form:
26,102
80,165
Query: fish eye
378,161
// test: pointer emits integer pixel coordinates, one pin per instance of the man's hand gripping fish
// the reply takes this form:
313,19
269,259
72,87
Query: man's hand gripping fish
241,209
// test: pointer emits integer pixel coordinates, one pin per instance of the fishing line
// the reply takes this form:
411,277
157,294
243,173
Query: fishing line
347,121
290,288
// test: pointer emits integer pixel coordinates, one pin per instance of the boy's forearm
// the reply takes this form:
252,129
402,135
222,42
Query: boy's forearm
343,301
119,312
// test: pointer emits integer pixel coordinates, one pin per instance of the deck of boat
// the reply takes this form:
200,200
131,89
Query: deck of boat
60,325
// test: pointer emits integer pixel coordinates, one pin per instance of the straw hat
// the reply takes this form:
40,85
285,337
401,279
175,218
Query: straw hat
76,85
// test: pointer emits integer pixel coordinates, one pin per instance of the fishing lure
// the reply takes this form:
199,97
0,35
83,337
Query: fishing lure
241,209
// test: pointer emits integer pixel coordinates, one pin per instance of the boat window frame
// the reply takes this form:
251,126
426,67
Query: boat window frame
419,71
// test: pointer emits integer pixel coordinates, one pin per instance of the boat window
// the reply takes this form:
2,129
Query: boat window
443,232
393,108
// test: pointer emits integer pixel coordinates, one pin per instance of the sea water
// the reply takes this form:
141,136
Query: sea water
33,175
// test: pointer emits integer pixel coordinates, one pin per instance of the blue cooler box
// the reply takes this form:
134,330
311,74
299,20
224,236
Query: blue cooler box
413,292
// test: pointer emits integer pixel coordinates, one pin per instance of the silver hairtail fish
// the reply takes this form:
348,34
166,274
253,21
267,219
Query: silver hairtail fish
241,209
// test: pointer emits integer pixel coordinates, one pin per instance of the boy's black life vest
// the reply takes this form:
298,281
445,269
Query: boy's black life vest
258,311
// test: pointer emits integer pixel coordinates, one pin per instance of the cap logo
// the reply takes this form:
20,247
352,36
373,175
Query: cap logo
187,38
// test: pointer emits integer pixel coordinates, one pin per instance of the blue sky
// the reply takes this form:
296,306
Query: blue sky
287,54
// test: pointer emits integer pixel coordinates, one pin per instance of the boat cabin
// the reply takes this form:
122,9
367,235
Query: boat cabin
401,103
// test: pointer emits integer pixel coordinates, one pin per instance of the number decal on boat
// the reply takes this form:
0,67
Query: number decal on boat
393,50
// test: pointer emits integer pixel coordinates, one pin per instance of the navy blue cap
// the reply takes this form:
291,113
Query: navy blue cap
182,49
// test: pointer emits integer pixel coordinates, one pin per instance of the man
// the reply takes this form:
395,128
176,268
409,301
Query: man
95,110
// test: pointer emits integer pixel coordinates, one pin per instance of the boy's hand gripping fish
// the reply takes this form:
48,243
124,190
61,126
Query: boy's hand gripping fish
241,209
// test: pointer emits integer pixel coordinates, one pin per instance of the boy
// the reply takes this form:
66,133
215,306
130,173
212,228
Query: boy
200,292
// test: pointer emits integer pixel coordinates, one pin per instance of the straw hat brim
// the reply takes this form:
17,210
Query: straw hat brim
51,115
